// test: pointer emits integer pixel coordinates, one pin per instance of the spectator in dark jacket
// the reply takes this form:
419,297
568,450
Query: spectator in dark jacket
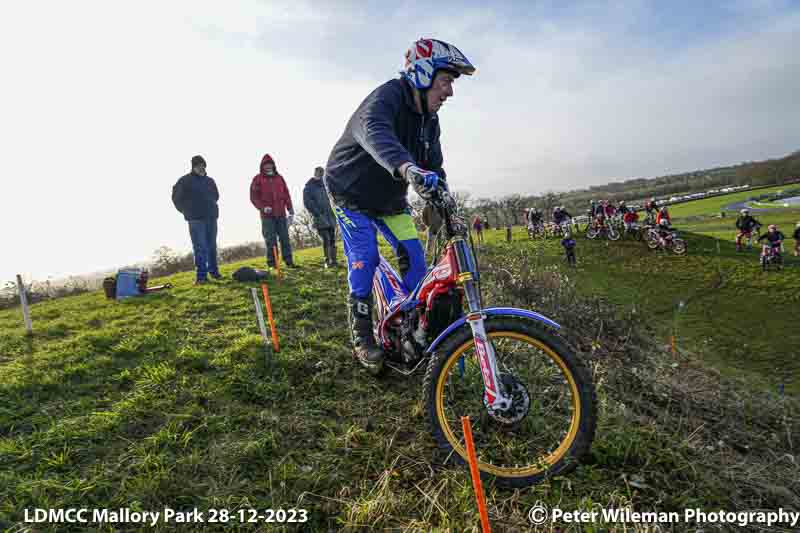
315,199
195,195
270,195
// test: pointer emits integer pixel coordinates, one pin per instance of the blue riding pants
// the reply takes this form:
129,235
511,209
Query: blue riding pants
359,235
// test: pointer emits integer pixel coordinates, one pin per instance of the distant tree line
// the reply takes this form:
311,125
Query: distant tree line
499,212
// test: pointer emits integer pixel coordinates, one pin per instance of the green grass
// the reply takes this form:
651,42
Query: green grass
745,328
708,206
165,401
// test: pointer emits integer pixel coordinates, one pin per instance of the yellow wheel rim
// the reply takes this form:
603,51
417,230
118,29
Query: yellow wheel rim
545,462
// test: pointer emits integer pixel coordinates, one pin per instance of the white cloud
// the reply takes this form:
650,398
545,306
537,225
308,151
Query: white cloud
108,104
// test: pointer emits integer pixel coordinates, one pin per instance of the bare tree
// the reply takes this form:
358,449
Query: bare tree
462,199
511,206
549,201
302,233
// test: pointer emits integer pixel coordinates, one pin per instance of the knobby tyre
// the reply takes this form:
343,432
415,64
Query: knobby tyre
532,442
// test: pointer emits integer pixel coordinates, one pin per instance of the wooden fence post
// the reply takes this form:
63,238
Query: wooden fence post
23,301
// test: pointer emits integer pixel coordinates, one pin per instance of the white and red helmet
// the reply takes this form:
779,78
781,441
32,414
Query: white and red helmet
426,56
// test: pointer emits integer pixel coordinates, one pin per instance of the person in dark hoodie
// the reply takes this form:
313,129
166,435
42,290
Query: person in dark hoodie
270,195
196,195
315,200
391,141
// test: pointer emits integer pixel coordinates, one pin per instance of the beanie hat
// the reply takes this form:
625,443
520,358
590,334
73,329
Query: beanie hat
198,159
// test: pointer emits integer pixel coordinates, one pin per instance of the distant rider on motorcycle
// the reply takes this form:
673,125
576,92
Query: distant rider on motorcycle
796,236
651,208
534,217
774,240
610,210
745,223
391,141
663,215
597,214
561,216
630,218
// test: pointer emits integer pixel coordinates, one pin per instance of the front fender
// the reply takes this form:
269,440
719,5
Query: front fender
490,312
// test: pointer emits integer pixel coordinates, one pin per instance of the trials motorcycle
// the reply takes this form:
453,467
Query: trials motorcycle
530,399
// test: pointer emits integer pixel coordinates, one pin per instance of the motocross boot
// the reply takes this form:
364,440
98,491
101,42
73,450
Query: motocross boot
365,349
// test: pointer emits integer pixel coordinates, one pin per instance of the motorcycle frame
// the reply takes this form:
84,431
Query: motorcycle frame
455,269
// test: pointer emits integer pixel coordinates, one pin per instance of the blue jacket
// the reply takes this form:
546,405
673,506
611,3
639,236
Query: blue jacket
315,200
384,132
196,197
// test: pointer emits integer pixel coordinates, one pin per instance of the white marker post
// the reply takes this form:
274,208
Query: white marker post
23,301
262,326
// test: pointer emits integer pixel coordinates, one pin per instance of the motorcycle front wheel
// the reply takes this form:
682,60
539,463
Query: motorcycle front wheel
551,422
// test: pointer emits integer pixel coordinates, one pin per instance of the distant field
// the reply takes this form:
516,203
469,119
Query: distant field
708,206
725,228
748,325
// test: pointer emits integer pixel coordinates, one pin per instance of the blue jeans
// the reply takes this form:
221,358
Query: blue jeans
359,235
204,246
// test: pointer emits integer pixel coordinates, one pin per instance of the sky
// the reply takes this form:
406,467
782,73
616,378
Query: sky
103,104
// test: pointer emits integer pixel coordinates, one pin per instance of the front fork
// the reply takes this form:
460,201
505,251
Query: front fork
494,397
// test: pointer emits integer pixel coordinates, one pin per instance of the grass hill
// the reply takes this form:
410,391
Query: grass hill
754,173
779,172
165,401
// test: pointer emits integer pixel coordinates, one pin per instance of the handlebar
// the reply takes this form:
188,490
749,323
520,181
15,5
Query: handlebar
446,206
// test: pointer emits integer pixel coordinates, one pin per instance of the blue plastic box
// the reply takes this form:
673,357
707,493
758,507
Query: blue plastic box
128,283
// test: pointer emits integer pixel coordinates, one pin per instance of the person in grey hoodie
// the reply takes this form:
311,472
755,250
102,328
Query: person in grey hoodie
315,200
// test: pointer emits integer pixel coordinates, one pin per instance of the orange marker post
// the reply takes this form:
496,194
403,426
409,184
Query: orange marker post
277,260
476,476
271,320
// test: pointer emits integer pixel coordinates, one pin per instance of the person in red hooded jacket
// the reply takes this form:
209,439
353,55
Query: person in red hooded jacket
270,195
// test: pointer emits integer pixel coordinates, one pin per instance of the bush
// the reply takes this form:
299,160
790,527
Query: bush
38,291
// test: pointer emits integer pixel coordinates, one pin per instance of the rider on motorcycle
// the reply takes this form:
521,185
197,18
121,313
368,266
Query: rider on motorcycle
663,215
534,217
774,240
597,214
651,208
745,224
610,210
560,215
663,229
796,236
630,218
391,141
